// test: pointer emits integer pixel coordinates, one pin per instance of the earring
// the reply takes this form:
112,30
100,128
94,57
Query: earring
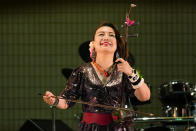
92,55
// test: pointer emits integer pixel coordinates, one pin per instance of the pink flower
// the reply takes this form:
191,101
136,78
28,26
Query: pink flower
129,22
91,48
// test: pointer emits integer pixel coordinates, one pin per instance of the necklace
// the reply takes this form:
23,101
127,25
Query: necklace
105,73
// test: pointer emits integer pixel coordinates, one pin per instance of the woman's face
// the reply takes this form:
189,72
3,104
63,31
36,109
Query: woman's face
105,40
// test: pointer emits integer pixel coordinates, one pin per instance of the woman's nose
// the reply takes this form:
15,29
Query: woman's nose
106,37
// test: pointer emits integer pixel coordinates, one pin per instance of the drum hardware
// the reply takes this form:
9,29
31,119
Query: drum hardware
175,111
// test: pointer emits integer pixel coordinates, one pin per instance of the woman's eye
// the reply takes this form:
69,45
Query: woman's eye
112,35
101,34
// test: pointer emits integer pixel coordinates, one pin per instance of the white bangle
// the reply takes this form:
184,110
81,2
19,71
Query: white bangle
138,85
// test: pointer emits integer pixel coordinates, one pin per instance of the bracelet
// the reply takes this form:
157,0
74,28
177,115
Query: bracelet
134,77
56,102
138,85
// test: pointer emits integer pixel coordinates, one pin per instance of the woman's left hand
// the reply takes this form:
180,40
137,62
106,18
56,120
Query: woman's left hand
124,66
143,92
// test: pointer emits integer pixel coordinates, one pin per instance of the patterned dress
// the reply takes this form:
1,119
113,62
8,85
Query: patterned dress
85,84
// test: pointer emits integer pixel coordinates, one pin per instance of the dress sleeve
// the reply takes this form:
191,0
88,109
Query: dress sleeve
73,89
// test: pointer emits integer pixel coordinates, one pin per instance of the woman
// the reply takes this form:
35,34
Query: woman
102,81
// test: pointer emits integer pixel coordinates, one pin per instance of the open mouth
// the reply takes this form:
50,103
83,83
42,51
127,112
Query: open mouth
106,43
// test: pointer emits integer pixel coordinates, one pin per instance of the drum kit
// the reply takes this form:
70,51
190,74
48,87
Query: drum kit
178,100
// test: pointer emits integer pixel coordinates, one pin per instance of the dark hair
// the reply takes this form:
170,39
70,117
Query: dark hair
122,49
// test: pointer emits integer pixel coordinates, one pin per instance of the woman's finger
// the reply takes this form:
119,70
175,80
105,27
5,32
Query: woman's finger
121,60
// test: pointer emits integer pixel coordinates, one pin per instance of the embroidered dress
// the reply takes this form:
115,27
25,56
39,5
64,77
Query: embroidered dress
85,83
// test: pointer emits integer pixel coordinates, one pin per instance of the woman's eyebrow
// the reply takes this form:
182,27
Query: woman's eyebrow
100,32
106,32
111,32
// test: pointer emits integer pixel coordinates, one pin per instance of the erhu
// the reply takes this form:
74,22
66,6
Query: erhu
124,112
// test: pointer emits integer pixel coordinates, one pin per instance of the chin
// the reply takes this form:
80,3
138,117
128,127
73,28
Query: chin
108,51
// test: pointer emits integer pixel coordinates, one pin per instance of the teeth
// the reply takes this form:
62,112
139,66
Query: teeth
106,43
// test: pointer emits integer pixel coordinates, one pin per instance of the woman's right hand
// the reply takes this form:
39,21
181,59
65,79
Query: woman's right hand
49,98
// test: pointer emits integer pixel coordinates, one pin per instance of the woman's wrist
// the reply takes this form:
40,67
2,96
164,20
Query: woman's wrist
138,85
130,72
56,101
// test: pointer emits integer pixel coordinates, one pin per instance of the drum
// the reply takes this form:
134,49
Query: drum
175,93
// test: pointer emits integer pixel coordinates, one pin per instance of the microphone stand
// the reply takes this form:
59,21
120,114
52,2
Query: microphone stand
53,108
